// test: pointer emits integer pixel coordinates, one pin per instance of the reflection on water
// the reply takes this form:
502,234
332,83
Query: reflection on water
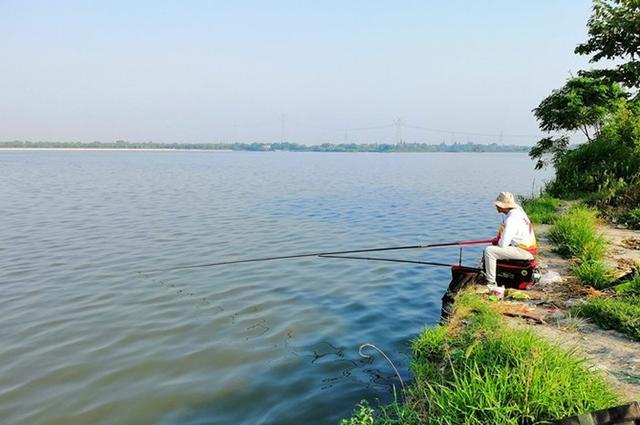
91,337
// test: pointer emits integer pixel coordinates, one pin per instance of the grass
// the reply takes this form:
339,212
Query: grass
541,210
476,370
630,287
575,234
621,314
594,273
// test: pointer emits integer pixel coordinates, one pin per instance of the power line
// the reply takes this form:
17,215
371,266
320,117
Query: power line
468,133
399,124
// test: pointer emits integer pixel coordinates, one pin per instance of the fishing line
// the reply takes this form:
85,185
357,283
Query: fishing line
322,254
366,356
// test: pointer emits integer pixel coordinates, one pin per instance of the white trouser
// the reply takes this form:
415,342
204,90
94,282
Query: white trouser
494,253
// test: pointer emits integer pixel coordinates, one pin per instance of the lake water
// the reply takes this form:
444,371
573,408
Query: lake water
89,339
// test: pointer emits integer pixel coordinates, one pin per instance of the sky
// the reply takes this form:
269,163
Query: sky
300,71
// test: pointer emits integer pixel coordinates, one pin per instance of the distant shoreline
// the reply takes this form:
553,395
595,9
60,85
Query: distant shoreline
118,149
121,145
228,150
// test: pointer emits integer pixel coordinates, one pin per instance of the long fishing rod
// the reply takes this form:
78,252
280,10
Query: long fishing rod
320,254
394,260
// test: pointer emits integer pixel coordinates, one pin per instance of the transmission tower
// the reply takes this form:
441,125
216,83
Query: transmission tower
399,123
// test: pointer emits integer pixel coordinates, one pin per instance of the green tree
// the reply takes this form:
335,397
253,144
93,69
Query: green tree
614,33
582,104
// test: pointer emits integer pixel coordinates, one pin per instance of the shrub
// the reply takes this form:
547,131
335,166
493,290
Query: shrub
631,218
541,210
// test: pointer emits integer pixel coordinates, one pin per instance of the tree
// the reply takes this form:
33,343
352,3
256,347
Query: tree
555,148
614,33
583,103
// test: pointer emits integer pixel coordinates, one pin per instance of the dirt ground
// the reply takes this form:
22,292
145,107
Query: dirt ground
546,312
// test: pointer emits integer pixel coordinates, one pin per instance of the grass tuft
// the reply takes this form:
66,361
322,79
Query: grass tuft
541,210
630,287
575,235
621,314
594,273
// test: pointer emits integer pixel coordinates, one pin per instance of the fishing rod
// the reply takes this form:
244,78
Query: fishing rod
395,260
324,254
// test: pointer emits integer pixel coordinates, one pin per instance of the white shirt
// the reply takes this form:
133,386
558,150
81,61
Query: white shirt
517,230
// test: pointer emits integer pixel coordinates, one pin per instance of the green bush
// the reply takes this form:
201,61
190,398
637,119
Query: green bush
541,210
575,235
604,165
621,314
594,273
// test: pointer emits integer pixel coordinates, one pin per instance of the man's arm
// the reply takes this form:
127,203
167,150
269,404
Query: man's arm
507,234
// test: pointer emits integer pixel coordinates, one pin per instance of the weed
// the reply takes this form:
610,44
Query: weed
362,415
571,322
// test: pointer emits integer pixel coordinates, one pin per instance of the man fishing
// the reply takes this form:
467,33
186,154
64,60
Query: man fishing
515,240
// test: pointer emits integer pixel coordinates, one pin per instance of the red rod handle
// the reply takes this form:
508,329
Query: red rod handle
479,242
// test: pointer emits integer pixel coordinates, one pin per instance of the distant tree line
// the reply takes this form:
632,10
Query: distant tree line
292,147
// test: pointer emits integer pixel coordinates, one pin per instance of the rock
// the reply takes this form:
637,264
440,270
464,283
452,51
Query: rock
550,277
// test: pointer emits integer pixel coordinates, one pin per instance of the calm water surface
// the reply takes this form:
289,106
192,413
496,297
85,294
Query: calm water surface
89,339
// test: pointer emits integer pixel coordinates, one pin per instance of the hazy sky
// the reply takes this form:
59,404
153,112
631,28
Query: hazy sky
189,71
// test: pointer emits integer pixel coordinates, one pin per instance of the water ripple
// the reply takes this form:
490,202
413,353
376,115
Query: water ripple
89,337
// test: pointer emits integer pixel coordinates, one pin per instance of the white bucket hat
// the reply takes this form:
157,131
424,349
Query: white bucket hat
506,200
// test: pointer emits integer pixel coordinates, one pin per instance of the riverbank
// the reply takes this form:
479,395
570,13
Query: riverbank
522,339
610,351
